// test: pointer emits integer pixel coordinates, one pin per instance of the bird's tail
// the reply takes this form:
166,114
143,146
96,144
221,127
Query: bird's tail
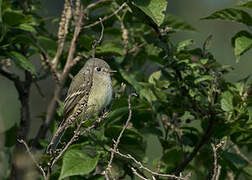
51,148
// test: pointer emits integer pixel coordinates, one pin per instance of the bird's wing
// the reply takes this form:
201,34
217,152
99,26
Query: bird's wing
76,92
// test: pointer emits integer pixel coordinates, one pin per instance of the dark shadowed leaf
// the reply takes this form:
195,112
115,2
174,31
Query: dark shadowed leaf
176,23
48,44
235,158
13,18
22,62
247,4
232,14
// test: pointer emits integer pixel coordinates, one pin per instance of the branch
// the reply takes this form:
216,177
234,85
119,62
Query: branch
204,139
32,157
99,40
62,78
237,150
11,76
90,6
217,168
116,143
23,89
135,48
141,166
106,17
63,31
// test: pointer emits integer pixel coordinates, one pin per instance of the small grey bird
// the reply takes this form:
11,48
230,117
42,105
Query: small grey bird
100,94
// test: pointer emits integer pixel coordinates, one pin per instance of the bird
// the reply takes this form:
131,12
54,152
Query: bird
95,77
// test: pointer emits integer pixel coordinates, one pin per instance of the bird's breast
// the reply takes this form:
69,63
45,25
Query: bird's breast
100,94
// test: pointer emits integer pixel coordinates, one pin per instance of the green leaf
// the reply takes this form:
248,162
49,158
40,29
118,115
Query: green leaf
155,77
153,8
148,94
183,45
227,101
48,44
27,27
247,4
176,23
232,14
130,79
248,170
22,62
13,18
235,158
241,42
77,162
86,41
203,78
109,48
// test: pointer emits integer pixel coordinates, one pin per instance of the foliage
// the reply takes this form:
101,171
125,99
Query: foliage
183,97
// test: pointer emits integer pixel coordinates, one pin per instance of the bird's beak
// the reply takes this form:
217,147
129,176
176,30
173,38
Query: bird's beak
112,71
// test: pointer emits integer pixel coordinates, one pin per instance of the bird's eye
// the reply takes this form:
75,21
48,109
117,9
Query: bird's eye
98,69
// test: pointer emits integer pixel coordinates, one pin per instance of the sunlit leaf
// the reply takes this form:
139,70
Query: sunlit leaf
184,44
153,8
77,162
227,101
203,78
241,43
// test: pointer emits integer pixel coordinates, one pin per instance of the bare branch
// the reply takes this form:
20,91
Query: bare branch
73,46
122,131
62,78
32,157
137,47
217,168
141,166
90,6
116,143
9,75
137,174
106,17
99,40
63,31
237,150
204,139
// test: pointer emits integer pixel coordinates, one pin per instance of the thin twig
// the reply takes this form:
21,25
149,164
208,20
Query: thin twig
204,139
32,157
99,40
122,131
216,168
141,166
96,3
237,150
73,139
106,17
135,48
137,174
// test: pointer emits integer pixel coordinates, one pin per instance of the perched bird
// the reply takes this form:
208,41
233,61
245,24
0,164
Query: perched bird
93,79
